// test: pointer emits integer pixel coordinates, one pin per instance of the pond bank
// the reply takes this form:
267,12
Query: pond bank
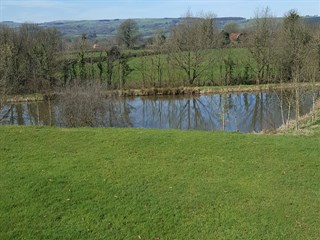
22,98
309,124
162,92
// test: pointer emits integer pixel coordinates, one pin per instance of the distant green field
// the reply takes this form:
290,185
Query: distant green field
213,68
157,184
171,72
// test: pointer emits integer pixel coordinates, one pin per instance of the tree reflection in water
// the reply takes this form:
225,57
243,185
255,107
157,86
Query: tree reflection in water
245,112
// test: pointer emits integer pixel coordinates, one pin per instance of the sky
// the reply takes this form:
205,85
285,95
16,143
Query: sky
38,11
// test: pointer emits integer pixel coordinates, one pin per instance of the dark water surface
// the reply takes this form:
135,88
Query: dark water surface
244,112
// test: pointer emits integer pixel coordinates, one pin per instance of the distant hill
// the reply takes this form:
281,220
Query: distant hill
10,24
107,28
312,19
147,26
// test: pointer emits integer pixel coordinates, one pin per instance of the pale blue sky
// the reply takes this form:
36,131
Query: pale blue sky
49,10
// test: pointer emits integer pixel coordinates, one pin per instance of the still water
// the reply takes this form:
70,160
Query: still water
244,112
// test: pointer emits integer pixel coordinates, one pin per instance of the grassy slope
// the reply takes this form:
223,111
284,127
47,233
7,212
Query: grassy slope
214,73
308,124
177,73
135,183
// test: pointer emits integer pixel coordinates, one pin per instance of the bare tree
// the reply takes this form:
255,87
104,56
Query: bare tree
128,33
231,27
6,53
311,63
294,42
31,58
158,47
80,106
113,54
261,44
188,43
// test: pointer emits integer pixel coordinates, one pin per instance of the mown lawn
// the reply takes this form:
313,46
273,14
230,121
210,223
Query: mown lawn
157,184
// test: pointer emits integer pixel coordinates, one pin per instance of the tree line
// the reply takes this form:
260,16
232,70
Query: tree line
29,58
195,53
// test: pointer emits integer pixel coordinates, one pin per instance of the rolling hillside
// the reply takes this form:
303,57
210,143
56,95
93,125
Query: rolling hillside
147,26
106,28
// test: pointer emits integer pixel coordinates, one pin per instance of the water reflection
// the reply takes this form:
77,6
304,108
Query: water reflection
245,112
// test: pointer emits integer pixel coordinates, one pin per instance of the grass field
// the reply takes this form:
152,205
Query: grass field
146,73
157,184
213,68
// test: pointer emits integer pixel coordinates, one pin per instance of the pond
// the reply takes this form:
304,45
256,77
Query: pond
244,112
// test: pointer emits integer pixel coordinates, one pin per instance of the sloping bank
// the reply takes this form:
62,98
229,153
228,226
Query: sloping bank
157,184
309,124
163,91
145,92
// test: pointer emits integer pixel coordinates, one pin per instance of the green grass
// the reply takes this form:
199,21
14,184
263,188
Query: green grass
212,68
157,184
